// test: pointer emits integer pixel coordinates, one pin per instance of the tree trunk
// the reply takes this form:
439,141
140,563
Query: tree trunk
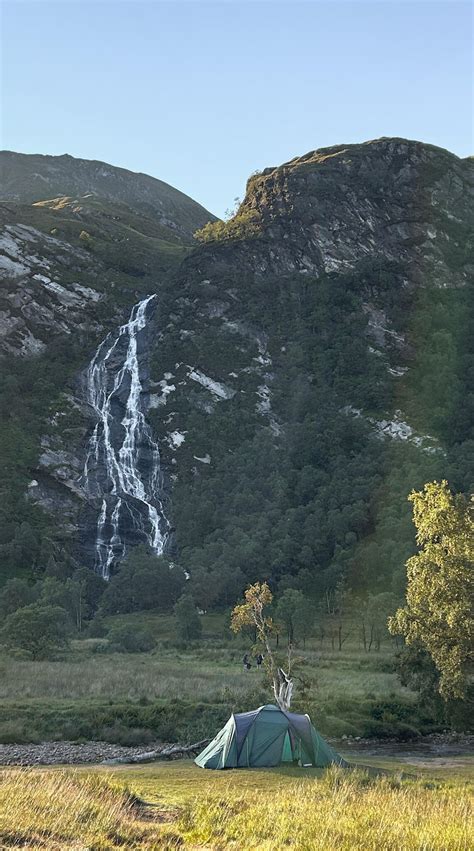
283,690
371,640
170,752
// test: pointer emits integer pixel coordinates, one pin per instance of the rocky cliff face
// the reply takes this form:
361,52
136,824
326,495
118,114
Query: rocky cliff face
325,212
35,305
303,369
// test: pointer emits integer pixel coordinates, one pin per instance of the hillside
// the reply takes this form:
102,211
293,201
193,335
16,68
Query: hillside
301,370
26,178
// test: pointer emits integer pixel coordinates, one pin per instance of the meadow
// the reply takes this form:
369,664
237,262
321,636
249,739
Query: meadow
166,806
186,691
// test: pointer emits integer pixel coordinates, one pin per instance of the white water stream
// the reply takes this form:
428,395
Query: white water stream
123,461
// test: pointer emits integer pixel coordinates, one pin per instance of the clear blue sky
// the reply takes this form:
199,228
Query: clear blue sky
201,94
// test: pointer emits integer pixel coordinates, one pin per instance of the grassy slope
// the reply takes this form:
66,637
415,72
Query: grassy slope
192,808
179,692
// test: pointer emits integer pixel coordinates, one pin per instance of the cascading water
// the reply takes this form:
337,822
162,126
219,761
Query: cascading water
122,469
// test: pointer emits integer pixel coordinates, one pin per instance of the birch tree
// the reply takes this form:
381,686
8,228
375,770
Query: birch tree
258,598
439,610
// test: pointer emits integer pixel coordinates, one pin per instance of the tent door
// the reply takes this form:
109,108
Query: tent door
287,752
291,748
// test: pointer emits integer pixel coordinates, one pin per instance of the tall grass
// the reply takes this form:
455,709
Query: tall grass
61,810
196,673
57,698
339,811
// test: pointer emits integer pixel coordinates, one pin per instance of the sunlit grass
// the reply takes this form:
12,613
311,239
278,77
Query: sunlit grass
59,810
257,809
348,812
200,672
67,697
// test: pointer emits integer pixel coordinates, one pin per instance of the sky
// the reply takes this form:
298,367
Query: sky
201,94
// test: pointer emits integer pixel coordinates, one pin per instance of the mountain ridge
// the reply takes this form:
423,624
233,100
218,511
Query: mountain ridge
25,177
303,370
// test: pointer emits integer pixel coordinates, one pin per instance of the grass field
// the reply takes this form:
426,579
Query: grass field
130,698
165,806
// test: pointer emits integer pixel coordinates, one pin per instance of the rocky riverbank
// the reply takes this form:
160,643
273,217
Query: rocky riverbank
73,753
70,753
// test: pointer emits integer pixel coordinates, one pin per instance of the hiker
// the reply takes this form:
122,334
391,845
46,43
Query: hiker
246,662
259,660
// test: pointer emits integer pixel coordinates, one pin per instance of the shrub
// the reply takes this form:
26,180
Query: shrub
188,623
97,628
243,225
131,639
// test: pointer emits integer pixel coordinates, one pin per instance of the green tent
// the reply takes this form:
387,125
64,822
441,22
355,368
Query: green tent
265,737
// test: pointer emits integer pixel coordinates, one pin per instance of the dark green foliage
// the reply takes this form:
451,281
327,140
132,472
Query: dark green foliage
144,581
29,393
291,611
299,504
438,393
38,629
326,499
188,624
131,639
15,594
418,672
183,721
97,627
77,596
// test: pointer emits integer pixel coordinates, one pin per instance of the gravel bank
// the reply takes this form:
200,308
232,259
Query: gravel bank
69,753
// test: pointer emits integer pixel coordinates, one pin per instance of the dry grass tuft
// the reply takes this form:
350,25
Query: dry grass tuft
59,810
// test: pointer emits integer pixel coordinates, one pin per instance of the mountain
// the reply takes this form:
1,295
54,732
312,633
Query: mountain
26,178
279,391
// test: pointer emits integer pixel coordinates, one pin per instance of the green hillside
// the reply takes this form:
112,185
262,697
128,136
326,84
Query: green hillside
303,367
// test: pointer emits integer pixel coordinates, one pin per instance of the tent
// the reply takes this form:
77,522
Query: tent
265,737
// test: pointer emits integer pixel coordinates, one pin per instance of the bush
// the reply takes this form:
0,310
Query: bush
131,639
244,225
38,629
188,623
97,628
118,734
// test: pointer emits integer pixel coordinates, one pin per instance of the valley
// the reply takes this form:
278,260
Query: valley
190,406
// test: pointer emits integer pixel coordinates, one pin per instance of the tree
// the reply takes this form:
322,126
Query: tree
188,622
296,613
374,615
37,628
257,598
94,587
306,619
24,548
15,594
144,581
439,611
287,611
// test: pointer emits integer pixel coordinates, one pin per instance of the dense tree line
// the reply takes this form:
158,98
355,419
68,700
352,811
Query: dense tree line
318,506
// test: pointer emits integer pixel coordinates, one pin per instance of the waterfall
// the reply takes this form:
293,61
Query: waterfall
122,468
